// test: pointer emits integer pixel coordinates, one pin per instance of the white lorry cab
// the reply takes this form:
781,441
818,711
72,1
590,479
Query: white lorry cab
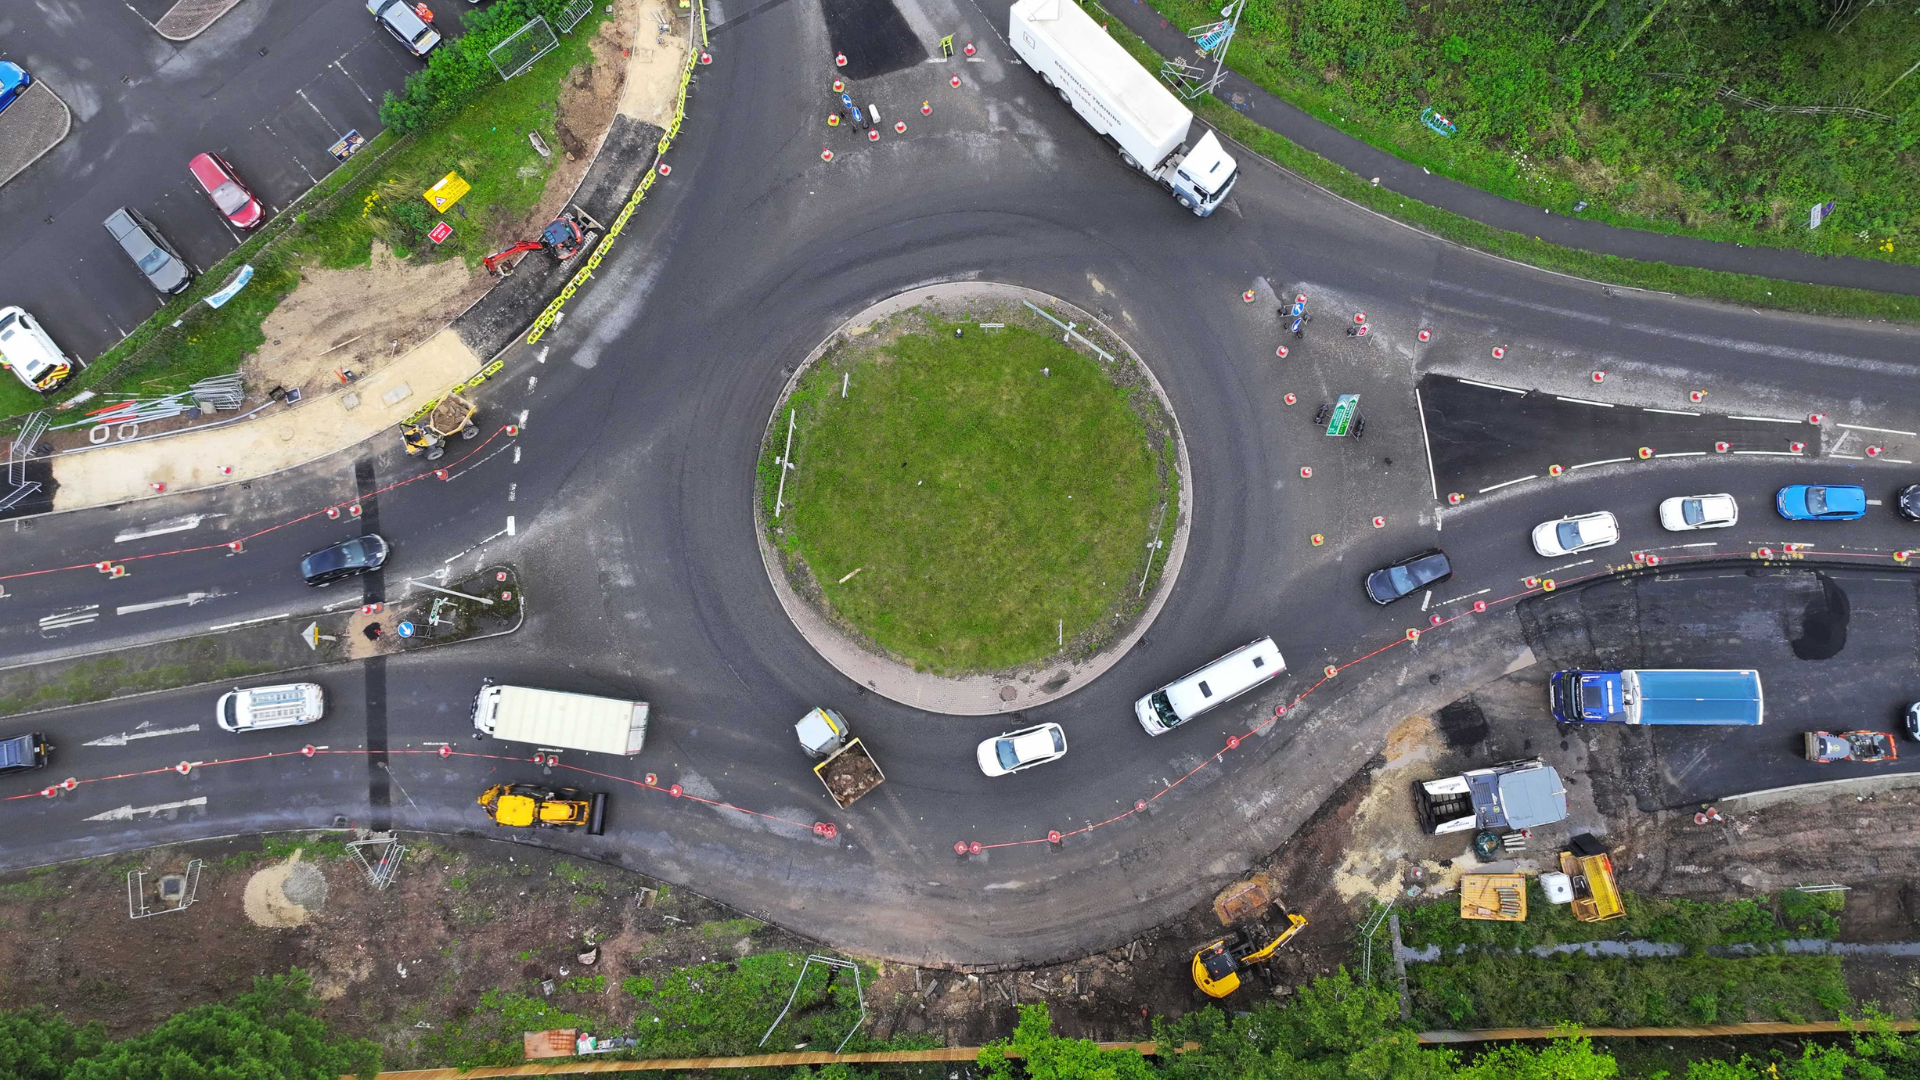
1122,101
561,720
263,707
1215,684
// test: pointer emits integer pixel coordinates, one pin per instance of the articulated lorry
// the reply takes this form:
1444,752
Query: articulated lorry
1645,696
1122,101
554,718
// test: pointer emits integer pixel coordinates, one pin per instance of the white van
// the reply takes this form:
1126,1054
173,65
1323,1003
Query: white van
27,351
265,707
1217,683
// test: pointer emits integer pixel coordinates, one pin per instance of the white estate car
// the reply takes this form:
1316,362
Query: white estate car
1687,512
1571,535
1022,749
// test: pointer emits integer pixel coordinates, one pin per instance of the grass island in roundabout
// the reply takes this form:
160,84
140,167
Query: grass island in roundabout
972,493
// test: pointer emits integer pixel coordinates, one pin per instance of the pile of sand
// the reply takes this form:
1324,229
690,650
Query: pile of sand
285,894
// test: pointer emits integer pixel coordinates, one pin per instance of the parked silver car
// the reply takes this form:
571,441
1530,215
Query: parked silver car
156,258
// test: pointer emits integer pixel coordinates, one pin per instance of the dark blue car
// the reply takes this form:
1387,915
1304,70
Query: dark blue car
1821,502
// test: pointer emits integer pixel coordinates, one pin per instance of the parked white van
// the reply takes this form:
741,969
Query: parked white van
27,351
1214,684
270,707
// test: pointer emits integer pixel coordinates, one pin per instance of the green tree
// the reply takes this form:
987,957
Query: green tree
1046,1056
1570,1058
39,1044
268,1033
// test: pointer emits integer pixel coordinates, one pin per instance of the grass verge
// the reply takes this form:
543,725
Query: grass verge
1480,990
375,195
1745,289
973,500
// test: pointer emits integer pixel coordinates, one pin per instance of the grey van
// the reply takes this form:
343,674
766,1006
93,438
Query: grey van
156,258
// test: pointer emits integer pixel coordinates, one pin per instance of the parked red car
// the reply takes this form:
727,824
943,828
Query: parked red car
229,195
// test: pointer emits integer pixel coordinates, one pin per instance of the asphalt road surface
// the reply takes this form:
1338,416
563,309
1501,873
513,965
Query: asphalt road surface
269,87
632,482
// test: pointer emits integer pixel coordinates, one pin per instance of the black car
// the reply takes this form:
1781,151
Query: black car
1908,502
348,558
23,752
1409,575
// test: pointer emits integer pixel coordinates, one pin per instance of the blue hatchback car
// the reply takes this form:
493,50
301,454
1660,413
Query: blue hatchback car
14,81
1822,502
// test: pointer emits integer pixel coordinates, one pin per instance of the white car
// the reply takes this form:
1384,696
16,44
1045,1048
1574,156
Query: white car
1571,535
264,707
27,351
1684,513
1022,749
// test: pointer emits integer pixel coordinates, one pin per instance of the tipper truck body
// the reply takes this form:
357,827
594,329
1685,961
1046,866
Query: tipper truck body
555,718
1122,101
1647,696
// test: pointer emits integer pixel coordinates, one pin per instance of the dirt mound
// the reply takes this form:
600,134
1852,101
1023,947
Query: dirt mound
285,894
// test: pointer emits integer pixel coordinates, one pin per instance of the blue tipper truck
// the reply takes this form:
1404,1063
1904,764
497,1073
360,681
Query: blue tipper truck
1643,696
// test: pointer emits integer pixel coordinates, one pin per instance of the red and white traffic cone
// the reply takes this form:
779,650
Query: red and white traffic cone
926,108
954,82
899,127
1499,352
826,155
1426,335
839,59
969,48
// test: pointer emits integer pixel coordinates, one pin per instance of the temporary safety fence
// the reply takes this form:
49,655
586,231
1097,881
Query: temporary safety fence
580,277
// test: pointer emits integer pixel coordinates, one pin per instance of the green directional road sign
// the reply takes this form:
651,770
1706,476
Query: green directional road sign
1344,410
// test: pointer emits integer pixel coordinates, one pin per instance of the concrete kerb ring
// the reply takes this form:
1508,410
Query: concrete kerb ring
974,695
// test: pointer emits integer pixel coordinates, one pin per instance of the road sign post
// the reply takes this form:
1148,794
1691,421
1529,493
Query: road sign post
1344,411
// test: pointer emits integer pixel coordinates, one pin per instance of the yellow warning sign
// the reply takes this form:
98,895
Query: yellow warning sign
447,191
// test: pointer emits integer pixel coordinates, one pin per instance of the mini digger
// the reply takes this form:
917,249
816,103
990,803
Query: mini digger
520,806
1218,964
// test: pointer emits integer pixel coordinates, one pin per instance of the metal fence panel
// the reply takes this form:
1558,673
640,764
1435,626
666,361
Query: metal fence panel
574,12
521,48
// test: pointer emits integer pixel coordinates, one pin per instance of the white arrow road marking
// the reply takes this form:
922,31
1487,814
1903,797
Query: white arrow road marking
190,599
140,733
128,813
60,620
171,525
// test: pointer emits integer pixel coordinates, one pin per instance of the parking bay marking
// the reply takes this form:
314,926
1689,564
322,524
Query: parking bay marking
141,732
129,812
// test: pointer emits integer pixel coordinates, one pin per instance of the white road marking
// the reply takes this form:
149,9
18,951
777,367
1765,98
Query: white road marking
1882,430
1426,598
523,418
348,602
1769,453
1875,502
1604,461
1703,543
1768,420
354,81
126,737
512,491
516,454
1683,453
1669,412
1849,457
331,126
171,525
189,600
1569,566
1897,461
1469,596
542,354
60,620
128,813
1432,481
510,531
1510,483
1584,401
532,381
1491,386
250,622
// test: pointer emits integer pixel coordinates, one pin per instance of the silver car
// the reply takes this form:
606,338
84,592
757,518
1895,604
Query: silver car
156,258
409,28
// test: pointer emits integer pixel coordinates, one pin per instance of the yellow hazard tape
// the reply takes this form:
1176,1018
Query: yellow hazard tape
580,277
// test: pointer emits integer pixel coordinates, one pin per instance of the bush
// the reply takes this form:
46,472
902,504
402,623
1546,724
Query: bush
458,69
1480,991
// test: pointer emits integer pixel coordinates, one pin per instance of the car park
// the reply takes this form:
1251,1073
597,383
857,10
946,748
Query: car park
27,351
21,752
1572,535
231,197
1408,576
405,25
1687,512
165,269
1821,502
1908,502
14,81
1209,685
262,707
1023,749
348,558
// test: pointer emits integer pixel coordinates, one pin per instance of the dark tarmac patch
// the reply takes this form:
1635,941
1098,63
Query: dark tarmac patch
1463,725
873,35
1823,628
1482,436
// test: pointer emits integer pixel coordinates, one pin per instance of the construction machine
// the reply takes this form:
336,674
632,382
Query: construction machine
520,806
429,432
566,236
1218,963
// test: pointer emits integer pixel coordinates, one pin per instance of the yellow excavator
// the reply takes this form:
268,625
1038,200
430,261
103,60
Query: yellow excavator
520,806
1218,964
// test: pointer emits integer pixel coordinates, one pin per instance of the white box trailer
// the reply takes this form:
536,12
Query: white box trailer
1122,101
555,718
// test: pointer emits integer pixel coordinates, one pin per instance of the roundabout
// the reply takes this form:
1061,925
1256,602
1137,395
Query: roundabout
965,512
632,503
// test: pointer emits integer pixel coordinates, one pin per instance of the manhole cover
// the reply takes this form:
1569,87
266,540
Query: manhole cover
1008,693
